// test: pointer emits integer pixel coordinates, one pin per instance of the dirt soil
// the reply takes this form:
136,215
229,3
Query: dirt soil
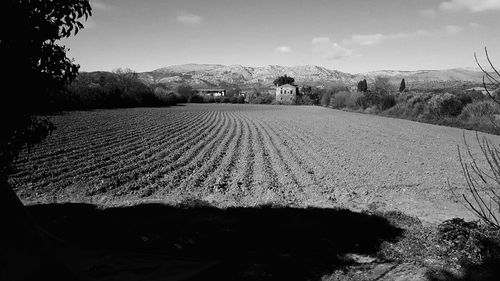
314,166
247,155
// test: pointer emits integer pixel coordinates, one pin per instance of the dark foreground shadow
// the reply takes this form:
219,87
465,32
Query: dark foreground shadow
158,242
487,271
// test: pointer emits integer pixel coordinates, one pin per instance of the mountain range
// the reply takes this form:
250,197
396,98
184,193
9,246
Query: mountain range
216,75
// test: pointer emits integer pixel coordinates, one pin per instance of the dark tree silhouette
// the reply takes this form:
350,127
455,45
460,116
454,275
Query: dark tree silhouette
185,91
282,80
402,86
362,86
34,65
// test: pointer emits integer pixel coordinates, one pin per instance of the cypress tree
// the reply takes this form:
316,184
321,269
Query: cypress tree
402,86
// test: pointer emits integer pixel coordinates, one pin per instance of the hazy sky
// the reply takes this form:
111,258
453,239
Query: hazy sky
347,35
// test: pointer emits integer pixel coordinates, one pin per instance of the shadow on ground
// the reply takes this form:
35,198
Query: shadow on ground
487,271
159,242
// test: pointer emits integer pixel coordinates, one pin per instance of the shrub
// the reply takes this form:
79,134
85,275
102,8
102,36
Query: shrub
479,110
356,100
482,197
445,105
261,99
340,99
123,88
409,104
196,99
325,98
305,100
240,99
386,102
166,97
483,181
208,99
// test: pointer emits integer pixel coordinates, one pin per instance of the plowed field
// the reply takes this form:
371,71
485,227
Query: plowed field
245,155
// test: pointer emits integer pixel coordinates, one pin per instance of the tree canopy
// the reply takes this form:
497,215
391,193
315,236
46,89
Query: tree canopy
282,80
34,64
382,85
185,91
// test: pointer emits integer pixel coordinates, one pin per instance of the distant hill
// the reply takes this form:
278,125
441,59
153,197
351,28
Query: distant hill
215,75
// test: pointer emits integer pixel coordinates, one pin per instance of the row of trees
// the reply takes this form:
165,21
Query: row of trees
120,88
381,84
123,88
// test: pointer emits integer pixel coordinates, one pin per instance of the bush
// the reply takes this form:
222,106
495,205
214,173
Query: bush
386,102
166,97
356,100
479,110
409,104
445,105
123,88
483,182
240,99
262,99
339,99
325,98
208,99
305,100
196,99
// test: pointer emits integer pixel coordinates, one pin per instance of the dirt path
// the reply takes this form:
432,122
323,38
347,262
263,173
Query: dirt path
246,155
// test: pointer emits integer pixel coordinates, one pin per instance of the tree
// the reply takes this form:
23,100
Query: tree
282,80
402,86
34,63
233,91
362,86
186,92
382,85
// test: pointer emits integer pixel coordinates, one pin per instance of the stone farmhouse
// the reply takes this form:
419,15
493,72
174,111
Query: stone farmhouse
286,94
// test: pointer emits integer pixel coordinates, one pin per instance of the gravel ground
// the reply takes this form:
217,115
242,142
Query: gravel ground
247,155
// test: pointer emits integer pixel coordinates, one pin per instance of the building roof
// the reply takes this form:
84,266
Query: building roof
287,86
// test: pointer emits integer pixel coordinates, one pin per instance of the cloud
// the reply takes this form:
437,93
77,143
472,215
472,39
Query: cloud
470,5
98,5
453,29
188,18
373,39
283,49
329,50
368,39
428,12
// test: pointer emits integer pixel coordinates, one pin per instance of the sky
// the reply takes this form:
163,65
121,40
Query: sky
347,35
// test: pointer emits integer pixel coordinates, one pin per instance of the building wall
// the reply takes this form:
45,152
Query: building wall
286,95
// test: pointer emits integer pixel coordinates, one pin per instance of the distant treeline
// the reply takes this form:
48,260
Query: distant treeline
123,88
118,89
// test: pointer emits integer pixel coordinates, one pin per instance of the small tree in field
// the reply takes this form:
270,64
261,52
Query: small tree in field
402,86
482,196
